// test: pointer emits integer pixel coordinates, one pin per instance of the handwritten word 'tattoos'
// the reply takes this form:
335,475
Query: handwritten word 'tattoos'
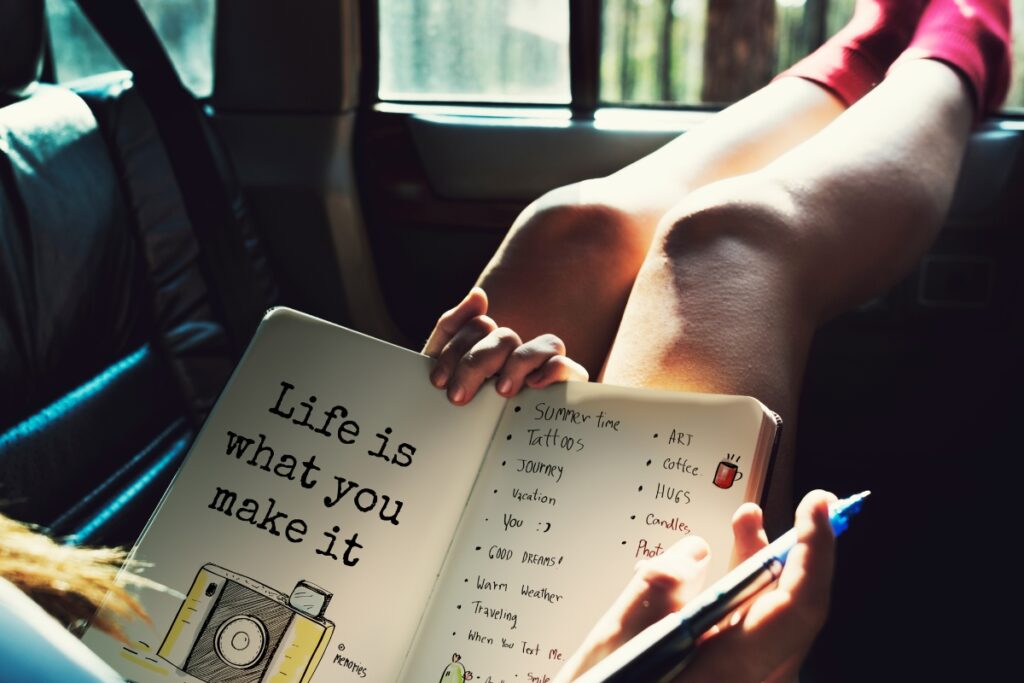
553,439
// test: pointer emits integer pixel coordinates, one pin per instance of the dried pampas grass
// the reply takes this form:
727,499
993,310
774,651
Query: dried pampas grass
68,582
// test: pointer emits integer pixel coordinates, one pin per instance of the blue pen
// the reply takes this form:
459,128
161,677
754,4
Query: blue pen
663,649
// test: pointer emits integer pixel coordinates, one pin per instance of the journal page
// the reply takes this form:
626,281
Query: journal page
302,537
581,481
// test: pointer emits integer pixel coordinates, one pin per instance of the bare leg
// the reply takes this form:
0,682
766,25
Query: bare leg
742,271
568,263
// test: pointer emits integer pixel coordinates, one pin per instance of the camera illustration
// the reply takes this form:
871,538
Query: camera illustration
233,629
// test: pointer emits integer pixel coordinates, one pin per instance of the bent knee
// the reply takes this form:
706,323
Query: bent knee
738,239
578,220
753,216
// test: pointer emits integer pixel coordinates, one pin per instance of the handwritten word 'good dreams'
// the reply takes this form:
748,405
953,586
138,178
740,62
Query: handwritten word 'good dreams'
308,475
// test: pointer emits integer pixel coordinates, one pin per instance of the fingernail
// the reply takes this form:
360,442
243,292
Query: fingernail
504,386
458,395
438,377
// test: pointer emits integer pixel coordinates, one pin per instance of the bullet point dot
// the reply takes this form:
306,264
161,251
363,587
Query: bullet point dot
640,488
502,463
655,436
487,519
632,516
518,408
453,633
495,490
478,547
458,606
508,438
623,543
648,463
465,581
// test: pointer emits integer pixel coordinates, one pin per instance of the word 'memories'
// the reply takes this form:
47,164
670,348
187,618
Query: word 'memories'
347,430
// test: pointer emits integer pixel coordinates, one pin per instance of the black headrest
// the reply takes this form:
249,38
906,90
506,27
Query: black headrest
22,31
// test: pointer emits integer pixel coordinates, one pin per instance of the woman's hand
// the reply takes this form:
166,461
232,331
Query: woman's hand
470,348
766,640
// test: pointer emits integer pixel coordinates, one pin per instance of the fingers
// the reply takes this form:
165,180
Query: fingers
483,360
458,351
748,532
781,624
557,369
538,363
662,585
452,321
470,348
808,576
659,586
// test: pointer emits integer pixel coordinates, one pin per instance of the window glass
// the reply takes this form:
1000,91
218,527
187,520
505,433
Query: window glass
662,51
184,26
654,51
1015,101
484,50
78,50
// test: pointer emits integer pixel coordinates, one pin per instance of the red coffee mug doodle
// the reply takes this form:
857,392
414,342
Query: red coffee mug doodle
726,475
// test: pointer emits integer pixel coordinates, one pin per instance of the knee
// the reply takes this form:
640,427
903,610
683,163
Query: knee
741,219
577,221
737,240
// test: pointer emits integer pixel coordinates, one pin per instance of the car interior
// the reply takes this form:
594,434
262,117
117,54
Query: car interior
146,227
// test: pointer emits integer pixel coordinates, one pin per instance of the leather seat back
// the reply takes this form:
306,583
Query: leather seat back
110,355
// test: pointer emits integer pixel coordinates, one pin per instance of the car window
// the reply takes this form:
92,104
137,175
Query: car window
484,51
184,26
653,52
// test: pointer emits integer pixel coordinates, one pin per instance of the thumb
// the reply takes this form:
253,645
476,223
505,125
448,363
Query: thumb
451,321
659,587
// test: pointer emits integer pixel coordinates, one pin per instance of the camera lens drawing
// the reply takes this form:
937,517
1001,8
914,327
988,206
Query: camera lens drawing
240,642
234,629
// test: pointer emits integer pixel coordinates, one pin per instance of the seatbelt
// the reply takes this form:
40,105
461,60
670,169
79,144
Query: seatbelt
180,123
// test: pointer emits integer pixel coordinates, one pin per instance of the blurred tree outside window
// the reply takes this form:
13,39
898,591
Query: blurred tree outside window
481,51
696,52
706,51
184,26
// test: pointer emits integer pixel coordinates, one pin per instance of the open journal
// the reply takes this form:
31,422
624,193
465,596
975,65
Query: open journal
338,519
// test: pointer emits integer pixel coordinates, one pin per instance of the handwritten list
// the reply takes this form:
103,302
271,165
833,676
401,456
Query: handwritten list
574,491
